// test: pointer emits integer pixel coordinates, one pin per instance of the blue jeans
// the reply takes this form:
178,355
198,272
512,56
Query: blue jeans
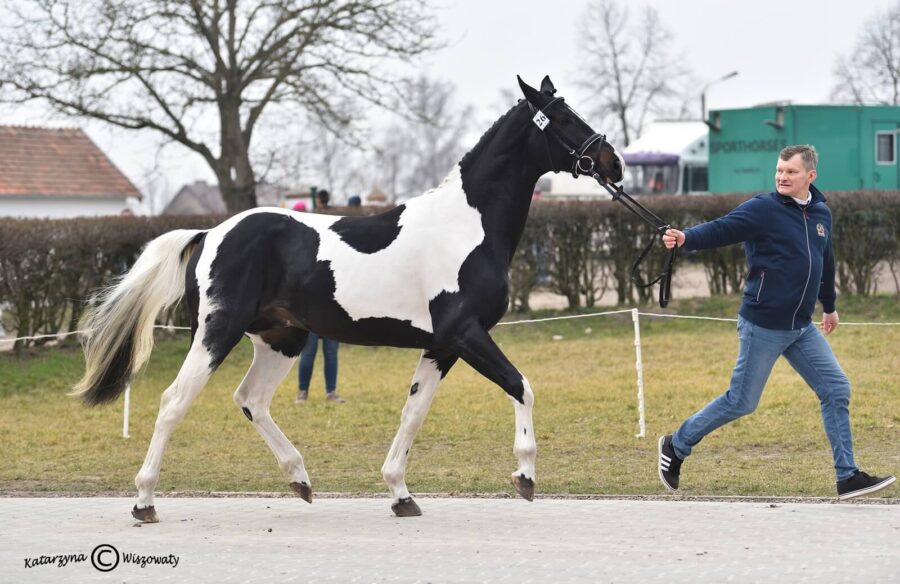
308,358
811,356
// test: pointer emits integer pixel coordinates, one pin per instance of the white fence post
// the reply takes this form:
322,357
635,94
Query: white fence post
640,373
125,413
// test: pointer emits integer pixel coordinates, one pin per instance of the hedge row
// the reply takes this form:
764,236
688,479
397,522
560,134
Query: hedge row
578,249
582,249
48,267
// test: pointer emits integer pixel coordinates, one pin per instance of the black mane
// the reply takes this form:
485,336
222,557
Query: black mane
486,137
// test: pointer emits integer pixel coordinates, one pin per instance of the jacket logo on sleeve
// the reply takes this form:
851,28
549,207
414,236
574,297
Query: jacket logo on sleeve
820,229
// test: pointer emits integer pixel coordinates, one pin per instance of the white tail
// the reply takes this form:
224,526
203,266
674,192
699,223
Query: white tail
121,317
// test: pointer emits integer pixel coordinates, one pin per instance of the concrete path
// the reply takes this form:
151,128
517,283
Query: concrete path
456,540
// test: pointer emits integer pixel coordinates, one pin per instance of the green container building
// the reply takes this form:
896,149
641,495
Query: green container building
857,145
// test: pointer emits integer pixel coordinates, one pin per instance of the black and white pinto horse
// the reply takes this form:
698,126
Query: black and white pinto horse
429,274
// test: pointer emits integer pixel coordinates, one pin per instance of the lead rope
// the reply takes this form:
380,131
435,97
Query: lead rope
665,278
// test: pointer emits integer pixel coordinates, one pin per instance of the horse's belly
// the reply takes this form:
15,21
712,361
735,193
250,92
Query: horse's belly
376,332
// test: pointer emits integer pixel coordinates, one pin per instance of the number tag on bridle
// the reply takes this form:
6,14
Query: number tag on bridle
540,120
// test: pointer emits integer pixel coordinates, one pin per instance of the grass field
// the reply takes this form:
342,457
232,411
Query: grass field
585,416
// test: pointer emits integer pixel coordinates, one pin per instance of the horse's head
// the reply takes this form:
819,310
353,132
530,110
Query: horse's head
571,143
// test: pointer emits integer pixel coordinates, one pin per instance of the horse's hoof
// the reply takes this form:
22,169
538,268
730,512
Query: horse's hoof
524,486
406,508
303,490
146,515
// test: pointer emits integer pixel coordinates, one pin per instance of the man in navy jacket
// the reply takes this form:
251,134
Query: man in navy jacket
787,239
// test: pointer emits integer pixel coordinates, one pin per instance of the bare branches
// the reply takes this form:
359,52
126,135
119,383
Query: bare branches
78,66
628,69
871,73
181,66
406,152
416,155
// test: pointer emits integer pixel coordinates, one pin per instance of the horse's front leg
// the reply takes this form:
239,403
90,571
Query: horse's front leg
433,366
476,347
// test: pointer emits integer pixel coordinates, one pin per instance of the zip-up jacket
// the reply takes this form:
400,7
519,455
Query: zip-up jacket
789,256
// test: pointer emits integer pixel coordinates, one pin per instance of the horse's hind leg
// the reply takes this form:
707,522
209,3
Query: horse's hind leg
254,396
477,348
432,368
175,401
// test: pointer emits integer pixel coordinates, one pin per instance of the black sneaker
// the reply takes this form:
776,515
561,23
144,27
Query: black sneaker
669,463
861,484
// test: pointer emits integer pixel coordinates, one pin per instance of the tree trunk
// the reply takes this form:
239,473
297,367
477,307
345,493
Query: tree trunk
236,180
623,120
237,197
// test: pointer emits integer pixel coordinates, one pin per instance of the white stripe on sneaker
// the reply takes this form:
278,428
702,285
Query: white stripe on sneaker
663,469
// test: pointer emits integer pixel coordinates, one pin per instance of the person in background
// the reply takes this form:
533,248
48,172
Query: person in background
329,347
656,185
787,239
307,361
323,199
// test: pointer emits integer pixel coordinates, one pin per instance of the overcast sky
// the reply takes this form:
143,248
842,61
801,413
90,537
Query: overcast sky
782,49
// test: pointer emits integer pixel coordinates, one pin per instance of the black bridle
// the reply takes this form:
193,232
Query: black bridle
581,164
584,165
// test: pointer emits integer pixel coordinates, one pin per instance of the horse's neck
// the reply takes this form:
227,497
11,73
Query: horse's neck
498,178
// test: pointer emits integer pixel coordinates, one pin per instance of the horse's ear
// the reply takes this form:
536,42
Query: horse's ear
530,93
547,85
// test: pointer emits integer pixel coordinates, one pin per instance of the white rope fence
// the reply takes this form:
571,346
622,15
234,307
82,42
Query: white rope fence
127,400
59,336
635,317
639,365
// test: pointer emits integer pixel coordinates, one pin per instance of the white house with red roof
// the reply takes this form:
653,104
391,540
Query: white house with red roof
55,173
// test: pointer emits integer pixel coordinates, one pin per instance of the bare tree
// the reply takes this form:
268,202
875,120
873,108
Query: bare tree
871,73
156,187
627,68
180,67
389,156
436,131
404,153
339,164
416,153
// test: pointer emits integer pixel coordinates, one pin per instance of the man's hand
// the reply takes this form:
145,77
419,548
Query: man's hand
829,322
671,237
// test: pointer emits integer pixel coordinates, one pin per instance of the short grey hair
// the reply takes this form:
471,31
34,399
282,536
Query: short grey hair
807,153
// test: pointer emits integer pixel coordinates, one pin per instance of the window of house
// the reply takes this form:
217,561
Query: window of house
886,148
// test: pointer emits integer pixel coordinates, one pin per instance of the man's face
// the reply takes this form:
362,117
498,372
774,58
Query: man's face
791,177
